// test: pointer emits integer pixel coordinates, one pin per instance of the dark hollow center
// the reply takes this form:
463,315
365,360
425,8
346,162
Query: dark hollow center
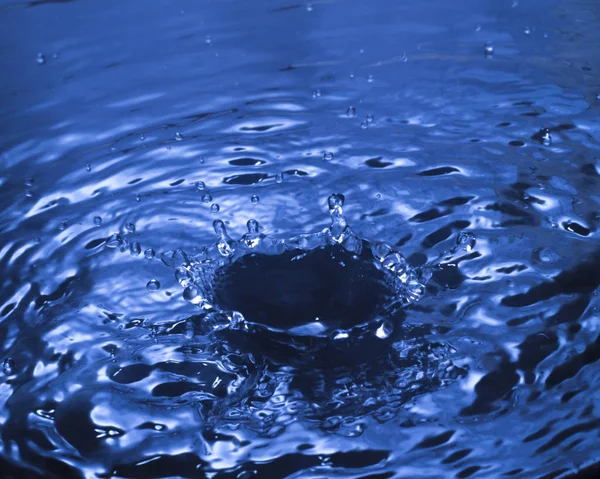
286,291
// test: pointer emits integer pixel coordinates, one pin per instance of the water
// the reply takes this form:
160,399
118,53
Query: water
180,299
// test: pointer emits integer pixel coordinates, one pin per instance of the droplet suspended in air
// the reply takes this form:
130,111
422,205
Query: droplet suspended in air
364,125
369,118
370,78
97,220
29,182
527,31
206,198
328,156
130,227
351,112
88,167
153,285
200,186
255,199
279,178
142,137
190,293
149,253
488,49
316,93
214,208
178,136
135,249
40,59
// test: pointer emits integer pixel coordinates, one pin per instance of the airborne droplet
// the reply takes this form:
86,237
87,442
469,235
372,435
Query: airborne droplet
255,199
153,285
328,156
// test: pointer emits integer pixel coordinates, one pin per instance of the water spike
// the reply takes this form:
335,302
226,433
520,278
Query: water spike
225,244
219,228
252,226
335,201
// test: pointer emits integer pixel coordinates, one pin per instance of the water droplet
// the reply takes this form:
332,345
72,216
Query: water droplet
208,40
40,59
142,137
466,241
545,136
351,112
378,196
309,7
97,220
328,156
135,249
63,225
88,167
279,178
29,182
527,31
364,125
488,49
370,78
9,367
214,208
138,198
316,93
190,294
369,118
153,285
384,330
130,227
206,198
200,185
114,241
149,253
255,199
178,136
29,194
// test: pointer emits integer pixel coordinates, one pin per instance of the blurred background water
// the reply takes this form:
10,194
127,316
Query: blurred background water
467,133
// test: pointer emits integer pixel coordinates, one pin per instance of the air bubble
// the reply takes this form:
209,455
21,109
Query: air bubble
200,186
351,112
214,208
149,253
97,220
130,227
207,198
178,136
255,199
40,59
466,241
153,285
328,156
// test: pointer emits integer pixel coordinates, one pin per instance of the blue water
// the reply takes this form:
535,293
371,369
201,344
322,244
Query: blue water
439,320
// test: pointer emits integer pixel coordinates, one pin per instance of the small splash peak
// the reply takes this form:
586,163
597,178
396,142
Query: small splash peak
253,238
339,232
225,244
